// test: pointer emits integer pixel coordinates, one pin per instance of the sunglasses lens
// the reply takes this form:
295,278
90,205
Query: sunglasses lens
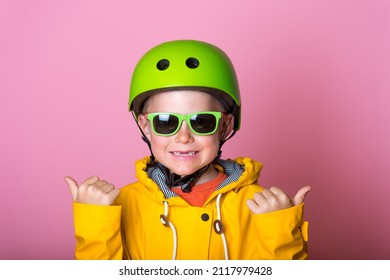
165,123
203,123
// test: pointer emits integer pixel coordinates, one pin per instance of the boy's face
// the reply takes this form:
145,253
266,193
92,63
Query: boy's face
184,152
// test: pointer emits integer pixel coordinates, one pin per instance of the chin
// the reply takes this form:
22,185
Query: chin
182,171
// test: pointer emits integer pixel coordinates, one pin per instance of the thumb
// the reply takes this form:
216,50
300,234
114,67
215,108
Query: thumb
301,194
73,187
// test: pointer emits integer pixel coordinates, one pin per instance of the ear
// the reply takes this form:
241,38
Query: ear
144,125
227,125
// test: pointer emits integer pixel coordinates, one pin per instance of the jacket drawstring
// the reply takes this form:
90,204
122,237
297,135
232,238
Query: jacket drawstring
218,227
164,220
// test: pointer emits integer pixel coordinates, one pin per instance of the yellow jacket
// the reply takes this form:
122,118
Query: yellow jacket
144,224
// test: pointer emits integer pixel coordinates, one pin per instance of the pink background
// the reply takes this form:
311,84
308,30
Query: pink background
315,87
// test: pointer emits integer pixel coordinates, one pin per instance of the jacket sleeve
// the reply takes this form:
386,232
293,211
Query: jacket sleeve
282,234
97,232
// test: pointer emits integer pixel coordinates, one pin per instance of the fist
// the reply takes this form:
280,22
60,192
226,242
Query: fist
275,199
92,191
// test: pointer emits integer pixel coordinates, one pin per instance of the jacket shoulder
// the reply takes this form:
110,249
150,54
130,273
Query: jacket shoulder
127,190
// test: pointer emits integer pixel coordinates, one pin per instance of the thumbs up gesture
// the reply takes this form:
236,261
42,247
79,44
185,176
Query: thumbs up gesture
275,199
92,191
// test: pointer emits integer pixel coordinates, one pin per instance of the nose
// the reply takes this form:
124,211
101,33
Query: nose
184,135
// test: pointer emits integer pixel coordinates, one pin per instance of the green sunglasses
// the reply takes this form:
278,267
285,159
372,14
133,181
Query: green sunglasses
200,123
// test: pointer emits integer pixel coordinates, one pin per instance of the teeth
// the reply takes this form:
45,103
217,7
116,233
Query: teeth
184,154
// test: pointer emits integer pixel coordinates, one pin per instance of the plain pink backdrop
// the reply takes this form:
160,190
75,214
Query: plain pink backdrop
314,77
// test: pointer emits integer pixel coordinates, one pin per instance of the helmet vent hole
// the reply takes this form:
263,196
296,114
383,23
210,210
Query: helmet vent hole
192,63
163,64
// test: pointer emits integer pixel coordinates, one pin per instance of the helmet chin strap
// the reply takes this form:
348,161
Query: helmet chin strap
188,181
184,182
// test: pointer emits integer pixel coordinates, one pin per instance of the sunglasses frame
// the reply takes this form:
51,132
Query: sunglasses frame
187,118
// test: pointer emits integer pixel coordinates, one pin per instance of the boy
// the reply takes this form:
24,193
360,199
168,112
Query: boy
188,203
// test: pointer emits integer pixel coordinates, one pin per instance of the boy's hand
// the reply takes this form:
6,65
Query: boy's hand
92,191
275,199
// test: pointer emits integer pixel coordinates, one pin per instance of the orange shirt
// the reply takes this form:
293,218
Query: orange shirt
200,193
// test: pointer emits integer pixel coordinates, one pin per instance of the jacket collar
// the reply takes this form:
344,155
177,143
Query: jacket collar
241,171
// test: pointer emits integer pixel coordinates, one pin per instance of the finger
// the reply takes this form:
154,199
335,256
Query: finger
112,195
252,205
259,198
301,194
100,183
90,180
267,193
107,188
73,187
277,191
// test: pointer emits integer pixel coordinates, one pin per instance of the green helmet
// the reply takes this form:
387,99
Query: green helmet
186,65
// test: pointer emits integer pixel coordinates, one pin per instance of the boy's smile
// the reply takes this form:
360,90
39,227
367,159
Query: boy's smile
184,154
